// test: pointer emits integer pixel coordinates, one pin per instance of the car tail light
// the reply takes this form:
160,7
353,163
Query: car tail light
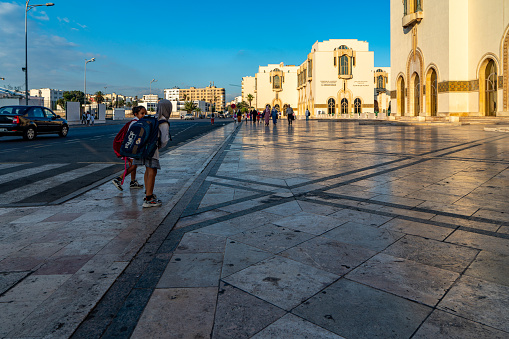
15,120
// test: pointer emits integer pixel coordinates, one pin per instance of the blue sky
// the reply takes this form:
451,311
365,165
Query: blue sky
179,44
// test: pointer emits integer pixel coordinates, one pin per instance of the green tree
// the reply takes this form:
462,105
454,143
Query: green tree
121,103
190,106
250,98
242,105
99,97
74,96
61,103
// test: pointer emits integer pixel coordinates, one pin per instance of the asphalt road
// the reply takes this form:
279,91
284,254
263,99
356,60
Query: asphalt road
50,168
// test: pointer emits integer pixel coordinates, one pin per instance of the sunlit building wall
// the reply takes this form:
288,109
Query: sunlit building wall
450,57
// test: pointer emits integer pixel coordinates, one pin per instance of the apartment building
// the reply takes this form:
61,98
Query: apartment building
210,94
49,95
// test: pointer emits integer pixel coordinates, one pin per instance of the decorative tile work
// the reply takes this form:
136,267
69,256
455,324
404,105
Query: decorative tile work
458,86
506,70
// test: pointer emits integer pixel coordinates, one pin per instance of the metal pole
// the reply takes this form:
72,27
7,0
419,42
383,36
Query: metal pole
26,55
85,93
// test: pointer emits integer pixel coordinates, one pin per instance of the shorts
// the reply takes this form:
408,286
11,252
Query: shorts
150,163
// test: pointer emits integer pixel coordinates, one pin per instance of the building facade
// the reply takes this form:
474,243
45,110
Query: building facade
450,57
337,77
211,94
172,94
50,96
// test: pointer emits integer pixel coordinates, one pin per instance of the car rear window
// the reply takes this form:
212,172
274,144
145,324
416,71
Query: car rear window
12,110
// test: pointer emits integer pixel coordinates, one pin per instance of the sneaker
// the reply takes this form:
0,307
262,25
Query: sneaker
152,203
155,197
135,184
118,183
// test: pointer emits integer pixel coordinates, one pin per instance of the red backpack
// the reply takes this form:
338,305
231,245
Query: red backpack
119,138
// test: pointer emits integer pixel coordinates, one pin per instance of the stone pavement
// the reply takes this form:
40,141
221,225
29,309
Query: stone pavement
320,230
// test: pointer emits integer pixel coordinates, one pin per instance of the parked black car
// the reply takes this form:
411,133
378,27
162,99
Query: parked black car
29,121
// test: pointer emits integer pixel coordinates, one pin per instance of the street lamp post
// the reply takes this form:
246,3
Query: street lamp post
27,8
85,94
153,80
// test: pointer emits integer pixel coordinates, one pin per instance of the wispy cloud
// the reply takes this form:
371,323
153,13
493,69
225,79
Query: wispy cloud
39,15
82,26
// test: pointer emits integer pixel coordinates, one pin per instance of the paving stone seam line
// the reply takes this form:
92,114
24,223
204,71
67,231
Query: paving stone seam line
455,282
109,327
411,208
408,218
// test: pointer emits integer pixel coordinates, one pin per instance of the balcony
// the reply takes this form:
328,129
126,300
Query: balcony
412,19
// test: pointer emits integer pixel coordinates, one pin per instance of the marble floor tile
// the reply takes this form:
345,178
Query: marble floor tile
309,223
480,301
178,313
433,253
353,310
192,270
238,256
240,315
293,327
492,227
479,241
286,209
405,278
490,266
10,279
272,238
329,255
373,238
370,219
194,242
12,312
418,228
317,208
280,281
35,288
445,325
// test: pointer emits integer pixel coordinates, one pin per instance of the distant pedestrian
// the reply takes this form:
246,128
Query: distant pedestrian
139,112
88,118
258,116
307,114
254,114
212,119
274,114
84,118
266,115
164,108
290,115
92,118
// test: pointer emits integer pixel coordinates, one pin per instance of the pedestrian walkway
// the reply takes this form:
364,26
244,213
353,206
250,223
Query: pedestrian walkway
320,230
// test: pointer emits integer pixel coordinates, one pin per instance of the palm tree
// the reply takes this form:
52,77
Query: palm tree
250,98
189,106
99,98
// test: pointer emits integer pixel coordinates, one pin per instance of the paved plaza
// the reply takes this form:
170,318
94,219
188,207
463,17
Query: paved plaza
319,230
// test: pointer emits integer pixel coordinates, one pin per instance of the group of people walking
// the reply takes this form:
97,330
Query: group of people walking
87,118
267,114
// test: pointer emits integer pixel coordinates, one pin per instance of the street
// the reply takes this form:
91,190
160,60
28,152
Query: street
51,169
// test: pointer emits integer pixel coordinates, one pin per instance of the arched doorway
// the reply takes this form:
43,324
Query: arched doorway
401,96
491,89
432,92
357,105
344,106
415,94
376,106
331,105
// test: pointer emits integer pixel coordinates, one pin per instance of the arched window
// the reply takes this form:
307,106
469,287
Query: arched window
401,96
417,95
432,93
343,47
380,82
331,104
491,89
357,105
344,106
277,82
344,65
